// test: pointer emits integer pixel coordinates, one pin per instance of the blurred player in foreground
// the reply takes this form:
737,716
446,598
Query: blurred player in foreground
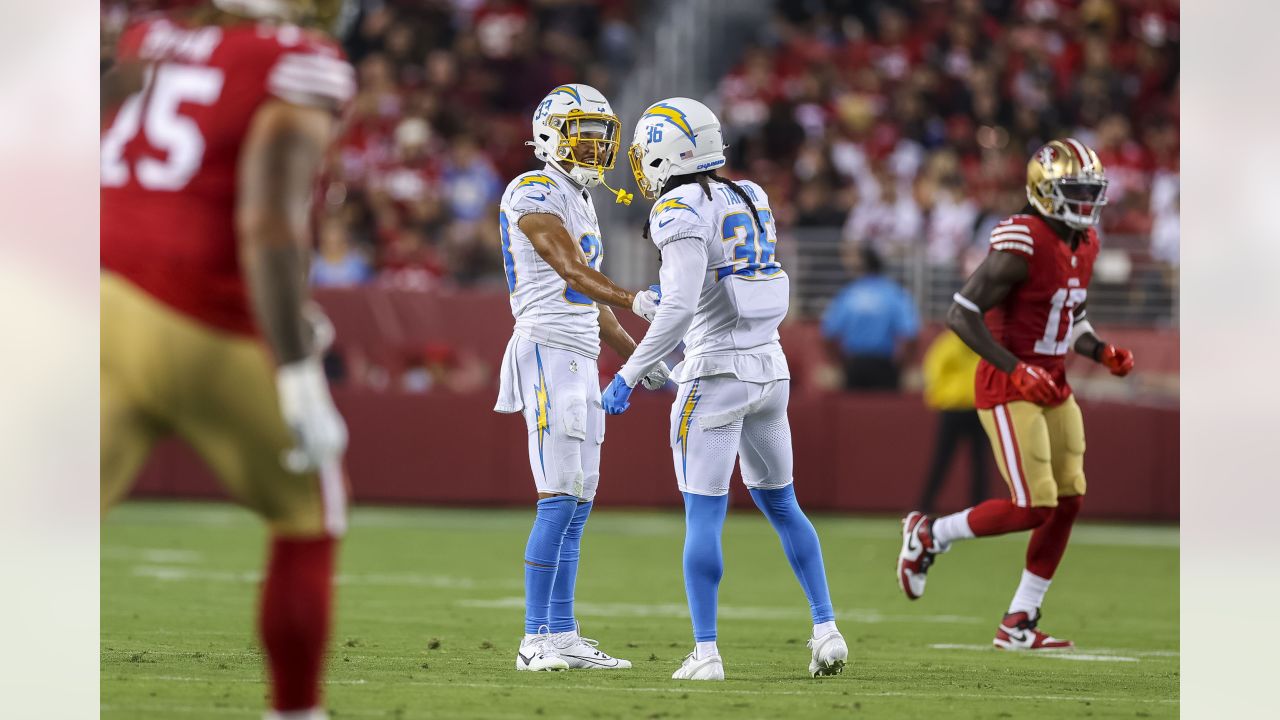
217,119
1031,290
552,251
724,293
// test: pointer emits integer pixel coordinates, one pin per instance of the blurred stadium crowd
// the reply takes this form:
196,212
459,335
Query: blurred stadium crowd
910,123
906,123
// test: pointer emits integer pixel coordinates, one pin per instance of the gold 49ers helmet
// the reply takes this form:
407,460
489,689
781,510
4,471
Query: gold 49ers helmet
1065,182
333,16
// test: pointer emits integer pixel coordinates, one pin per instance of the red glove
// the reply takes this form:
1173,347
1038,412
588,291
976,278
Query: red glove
1034,384
1118,360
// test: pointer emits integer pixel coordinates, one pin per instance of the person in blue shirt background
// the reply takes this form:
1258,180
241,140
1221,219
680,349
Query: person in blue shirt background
871,326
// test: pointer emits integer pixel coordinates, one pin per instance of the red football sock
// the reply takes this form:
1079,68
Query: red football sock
997,517
294,618
1049,541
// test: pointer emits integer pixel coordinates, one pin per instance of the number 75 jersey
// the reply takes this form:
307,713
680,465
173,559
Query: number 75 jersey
170,154
1036,319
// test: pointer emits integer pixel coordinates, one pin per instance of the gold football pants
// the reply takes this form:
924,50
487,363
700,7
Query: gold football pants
163,373
1039,450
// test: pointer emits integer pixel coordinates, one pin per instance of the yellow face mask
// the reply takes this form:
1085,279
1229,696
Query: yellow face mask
587,140
590,140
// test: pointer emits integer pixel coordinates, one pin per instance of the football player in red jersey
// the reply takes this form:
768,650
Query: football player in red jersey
1022,310
215,121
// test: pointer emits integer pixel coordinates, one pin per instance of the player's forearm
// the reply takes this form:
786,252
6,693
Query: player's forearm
614,335
664,335
276,277
1085,339
595,285
968,325
683,265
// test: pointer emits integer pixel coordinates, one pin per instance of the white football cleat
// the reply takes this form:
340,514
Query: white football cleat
830,653
584,653
536,653
919,550
711,668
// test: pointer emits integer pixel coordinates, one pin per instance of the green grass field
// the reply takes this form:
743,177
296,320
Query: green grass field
430,613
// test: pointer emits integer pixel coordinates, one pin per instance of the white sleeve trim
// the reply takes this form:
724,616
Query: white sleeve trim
966,303
311,79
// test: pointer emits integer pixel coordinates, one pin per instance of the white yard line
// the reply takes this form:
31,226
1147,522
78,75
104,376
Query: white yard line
835,688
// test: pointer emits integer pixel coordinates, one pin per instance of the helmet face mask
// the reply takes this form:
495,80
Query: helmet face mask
588,140
1065,181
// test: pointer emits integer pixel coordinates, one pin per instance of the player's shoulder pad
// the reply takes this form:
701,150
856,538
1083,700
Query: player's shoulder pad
1016,234
306,67
683,211
537,191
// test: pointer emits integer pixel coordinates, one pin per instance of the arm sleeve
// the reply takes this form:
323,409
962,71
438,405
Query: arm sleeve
684,263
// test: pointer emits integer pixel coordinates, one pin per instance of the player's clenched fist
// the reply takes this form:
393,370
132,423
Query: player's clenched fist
1118,360
318,429
617,397
1034,384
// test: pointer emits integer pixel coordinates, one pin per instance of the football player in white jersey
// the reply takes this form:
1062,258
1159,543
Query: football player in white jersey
552,251
724,293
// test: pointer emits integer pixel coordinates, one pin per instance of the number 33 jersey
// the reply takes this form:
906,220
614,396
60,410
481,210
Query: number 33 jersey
170,154
547,311
1036,319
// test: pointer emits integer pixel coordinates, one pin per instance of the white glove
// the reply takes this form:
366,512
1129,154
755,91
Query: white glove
307,406
646,304
657,377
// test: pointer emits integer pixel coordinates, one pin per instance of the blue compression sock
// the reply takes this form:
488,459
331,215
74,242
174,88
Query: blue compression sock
542,556
567,575
800,543
703,563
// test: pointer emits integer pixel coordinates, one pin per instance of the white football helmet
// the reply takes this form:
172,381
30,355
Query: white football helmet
571,119
676,136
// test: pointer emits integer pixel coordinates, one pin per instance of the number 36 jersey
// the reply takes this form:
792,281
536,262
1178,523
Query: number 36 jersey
547,311
745,292
1036,319
169,156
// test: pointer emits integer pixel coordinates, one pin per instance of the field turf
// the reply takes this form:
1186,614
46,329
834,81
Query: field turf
430,613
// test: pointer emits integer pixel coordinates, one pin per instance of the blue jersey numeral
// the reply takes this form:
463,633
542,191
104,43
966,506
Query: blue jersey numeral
594,250
508,260
754,253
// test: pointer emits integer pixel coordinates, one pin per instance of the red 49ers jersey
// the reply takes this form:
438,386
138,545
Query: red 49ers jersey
1035,320
170,155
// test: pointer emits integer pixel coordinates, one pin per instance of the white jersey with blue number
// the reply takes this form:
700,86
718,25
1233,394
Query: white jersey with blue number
745,291
547,311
